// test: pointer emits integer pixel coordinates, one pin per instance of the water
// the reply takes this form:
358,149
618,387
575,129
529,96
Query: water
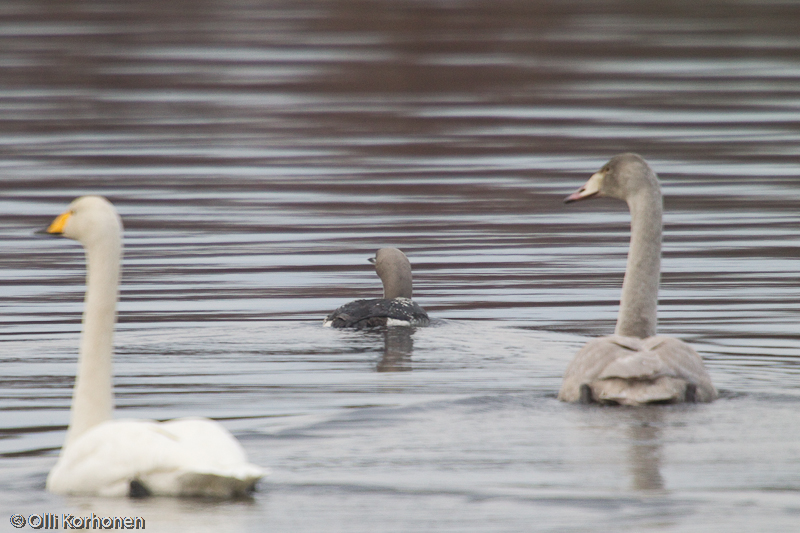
259,153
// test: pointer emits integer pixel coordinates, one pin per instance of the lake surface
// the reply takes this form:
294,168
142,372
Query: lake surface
260,152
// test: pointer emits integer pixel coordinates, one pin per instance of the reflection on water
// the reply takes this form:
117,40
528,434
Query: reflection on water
398,348
644,437
257,151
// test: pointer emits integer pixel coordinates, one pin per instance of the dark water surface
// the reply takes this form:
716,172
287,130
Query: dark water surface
260,152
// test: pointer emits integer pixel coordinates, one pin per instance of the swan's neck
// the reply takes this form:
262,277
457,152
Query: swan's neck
637,307
93,396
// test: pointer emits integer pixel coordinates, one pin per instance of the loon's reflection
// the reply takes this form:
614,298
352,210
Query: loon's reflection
398,345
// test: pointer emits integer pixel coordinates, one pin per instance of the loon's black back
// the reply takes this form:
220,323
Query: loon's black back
361,314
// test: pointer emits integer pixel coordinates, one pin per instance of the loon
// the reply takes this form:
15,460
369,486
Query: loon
396,308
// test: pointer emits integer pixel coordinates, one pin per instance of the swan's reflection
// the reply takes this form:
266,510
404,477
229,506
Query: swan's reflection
644,452
398,345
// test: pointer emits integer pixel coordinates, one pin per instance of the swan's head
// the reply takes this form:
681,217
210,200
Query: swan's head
88,219
622,177
394,269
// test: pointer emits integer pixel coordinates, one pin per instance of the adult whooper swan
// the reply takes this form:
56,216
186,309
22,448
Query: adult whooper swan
635,366
106,457
396,308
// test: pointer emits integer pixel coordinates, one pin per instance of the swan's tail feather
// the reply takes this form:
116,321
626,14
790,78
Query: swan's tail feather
217,486
203,484
235,481
620,391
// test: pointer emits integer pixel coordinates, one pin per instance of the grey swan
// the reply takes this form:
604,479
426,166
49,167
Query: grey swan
102,456
396,308
635,366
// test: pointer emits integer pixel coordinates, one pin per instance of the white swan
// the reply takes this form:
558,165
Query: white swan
105,457
633,366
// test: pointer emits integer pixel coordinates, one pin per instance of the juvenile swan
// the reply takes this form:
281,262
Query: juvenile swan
634,366
395,308
106,457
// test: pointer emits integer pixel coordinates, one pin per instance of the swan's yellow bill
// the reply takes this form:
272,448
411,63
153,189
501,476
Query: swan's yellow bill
58,224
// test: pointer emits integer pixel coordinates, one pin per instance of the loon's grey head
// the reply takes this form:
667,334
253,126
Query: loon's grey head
394,269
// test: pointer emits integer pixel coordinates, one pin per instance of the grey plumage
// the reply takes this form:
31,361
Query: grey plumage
633,366
394,269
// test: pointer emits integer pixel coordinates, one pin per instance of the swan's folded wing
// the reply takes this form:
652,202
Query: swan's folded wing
638,365
213,461
634,344
684,362
589,362
632,371
163,457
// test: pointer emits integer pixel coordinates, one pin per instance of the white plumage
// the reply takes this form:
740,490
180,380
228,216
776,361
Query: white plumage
106,457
